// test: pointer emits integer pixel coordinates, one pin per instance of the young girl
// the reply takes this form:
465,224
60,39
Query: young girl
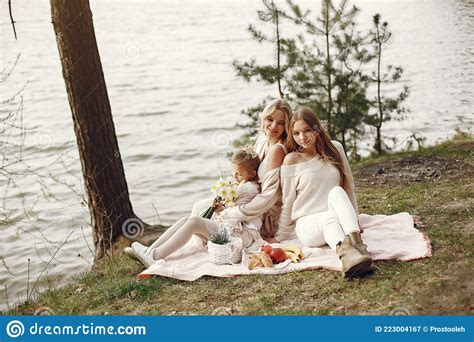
319,202
245,164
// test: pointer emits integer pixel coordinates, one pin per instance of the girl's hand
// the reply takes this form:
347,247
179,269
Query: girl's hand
218,206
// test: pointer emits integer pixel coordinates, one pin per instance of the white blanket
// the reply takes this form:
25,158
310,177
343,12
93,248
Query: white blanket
387,237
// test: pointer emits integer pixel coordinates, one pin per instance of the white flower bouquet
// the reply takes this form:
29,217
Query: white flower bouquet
225,191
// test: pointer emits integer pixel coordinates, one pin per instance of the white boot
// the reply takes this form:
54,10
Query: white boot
138,247
143,254
130,252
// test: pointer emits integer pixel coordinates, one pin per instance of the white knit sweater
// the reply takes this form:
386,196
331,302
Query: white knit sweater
306,187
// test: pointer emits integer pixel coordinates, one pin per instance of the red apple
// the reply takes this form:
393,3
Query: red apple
278,255
267,249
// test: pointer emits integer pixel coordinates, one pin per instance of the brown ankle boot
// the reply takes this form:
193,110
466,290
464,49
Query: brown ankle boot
356,241
353,262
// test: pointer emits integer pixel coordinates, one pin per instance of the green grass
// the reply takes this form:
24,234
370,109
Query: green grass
441,284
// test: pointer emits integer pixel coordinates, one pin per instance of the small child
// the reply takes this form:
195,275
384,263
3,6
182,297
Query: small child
245,163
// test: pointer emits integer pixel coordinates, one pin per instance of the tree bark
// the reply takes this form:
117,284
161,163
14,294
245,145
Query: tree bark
102,168
378,139
343,139
280,92
328,71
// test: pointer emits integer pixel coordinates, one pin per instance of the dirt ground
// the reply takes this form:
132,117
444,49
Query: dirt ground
416,169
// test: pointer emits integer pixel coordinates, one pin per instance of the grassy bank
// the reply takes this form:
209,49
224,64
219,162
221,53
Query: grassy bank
434,183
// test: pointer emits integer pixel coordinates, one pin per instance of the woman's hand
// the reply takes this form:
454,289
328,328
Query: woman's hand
271,240
218,206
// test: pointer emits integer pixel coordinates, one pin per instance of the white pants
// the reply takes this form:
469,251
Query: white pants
328,227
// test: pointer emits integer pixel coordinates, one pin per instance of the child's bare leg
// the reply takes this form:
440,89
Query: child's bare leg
194,225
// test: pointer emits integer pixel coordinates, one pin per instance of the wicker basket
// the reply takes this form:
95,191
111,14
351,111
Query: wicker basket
218,254
236,246
230,253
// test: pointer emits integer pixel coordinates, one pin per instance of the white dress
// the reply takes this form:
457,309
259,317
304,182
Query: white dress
247,230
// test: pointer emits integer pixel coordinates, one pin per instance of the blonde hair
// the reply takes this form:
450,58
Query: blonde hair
248,157
324,146
271,107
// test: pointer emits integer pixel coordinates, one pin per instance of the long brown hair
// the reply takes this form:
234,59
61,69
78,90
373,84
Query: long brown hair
324,146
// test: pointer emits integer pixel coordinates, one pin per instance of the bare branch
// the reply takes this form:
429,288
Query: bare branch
11,17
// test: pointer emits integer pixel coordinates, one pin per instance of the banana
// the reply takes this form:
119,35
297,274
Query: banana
294,257
294,249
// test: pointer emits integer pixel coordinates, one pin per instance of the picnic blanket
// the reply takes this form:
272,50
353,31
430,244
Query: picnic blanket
387,237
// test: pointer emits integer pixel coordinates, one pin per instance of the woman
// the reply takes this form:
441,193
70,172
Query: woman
271,150
319,202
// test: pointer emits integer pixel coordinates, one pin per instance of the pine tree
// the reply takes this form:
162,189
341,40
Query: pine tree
314,82
351,102
323,68
386,107
273,73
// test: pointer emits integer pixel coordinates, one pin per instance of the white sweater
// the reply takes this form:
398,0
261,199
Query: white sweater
306,187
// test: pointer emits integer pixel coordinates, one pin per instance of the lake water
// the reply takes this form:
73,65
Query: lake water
175,100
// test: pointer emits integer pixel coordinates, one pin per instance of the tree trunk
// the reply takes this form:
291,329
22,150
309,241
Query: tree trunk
280,92
329,70
378,140
354,146
343,139
109,203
